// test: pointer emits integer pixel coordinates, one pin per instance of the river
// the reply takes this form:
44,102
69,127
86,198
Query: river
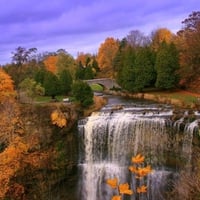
124,128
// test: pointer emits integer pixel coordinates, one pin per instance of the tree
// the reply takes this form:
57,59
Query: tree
161,35
8,109
22,55
50,63
126,73
89,74
6,86
166,65
83,58
65,61
65,79
188,43
83,93
137,39
145,74
40,75
106,54
30,88
51,85
80,72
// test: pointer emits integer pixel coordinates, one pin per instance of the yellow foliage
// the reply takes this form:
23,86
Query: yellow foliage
10,163
106,54
116,197
140,173
144,171
138,159
6,86
124,189
50,63
142,189
112,182
133,169
58,118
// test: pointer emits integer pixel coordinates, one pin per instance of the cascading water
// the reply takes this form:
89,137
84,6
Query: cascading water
111,137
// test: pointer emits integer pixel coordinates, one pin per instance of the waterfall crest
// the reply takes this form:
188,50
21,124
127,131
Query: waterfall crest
109,139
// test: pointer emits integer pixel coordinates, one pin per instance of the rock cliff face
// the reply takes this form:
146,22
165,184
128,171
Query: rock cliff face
49,169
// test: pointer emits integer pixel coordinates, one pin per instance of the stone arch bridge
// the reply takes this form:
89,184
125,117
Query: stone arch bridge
105,82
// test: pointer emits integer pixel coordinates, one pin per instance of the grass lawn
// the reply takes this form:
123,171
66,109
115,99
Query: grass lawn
47,99
96,87
184,96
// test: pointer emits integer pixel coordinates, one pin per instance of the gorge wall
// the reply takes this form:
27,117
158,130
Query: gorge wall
49,168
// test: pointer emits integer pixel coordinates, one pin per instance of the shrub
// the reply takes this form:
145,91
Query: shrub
82,93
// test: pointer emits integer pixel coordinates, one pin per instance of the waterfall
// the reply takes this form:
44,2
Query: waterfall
109,140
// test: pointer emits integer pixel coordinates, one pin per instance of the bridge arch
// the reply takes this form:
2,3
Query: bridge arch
107,83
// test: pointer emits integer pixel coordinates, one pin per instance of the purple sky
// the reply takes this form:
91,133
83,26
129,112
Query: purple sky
82,25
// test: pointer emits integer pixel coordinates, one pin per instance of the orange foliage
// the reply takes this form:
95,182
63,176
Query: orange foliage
106,54
82,57
142,189
37,160
138,159
161,35
8,108
140,172
50,63
124,189
10,163
6,86
112,182
116,197
58,118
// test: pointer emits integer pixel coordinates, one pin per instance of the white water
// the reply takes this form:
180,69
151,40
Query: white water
111,138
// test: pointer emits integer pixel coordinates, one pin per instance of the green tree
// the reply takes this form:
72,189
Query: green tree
145,74
166,65
30,88
83,93
65,81
80,72
126,73
51,85
89,74
65,61
40,75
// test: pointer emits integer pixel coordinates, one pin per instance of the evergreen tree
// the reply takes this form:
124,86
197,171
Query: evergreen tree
145,74
83,93
126,75
40,76
65,79
51,84
166,65
80,72
89,74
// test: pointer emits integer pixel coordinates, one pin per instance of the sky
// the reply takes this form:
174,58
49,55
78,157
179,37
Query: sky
82,25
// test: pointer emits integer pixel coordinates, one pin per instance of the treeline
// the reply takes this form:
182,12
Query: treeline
51,74
163,60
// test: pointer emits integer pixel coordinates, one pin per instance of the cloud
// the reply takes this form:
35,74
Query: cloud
83,24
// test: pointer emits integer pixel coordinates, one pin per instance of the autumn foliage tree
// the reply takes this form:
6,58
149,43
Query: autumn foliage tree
161,35
106,54
50,63
6,86
8,107
188,43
